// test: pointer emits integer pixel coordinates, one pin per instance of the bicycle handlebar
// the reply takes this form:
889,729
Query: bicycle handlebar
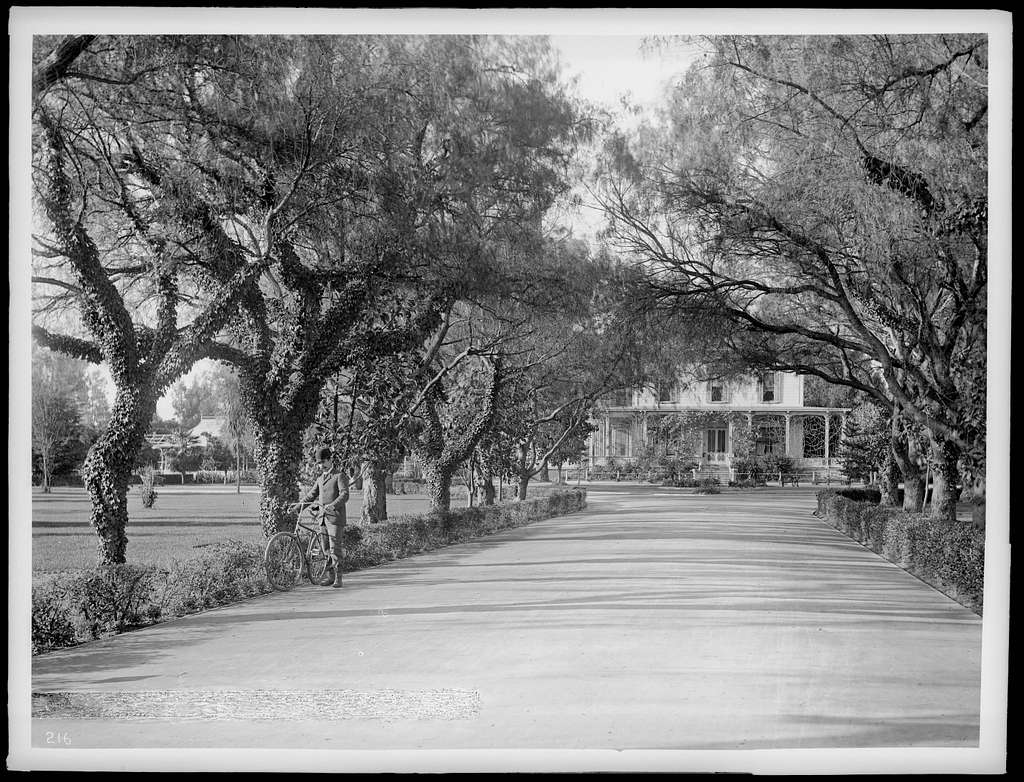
314,512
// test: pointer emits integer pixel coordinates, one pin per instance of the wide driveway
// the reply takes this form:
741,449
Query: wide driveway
654,619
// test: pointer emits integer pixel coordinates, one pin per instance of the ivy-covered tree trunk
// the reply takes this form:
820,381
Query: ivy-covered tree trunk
439,486
439,458
278,458
485,491
107,470
945,477
375,505
889,478
908,459
523,470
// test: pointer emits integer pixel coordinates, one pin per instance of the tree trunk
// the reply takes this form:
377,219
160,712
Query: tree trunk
485,490
521,486
375,503
107,470
978,501
439,487
278,456
544,475
47,470
945,475
907,458
889,478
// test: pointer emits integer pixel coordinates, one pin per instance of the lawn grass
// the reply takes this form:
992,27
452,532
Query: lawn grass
177,527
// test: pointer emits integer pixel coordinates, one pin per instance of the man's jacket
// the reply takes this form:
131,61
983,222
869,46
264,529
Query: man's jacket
331,491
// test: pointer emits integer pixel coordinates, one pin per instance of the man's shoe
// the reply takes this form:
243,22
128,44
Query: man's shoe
337,579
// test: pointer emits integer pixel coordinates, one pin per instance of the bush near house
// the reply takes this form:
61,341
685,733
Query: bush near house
707,486
948,556
72,608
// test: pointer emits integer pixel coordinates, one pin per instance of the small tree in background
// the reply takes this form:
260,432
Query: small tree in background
149,494
866,446
57,434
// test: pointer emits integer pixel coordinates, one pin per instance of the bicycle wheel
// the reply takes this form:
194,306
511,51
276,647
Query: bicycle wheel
283,560
321,568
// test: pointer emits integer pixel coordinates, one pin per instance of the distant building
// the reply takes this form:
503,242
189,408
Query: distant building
771,404
210,426
200,435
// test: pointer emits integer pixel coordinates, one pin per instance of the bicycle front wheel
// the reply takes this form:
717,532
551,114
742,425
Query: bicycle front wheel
321,568
283,560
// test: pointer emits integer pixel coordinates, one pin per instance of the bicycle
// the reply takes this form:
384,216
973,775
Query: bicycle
291,555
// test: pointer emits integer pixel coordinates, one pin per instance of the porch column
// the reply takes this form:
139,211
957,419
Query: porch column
607,437
827,436
785,445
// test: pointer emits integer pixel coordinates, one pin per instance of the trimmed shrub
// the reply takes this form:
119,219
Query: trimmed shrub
747,483
223,573
707,486
114,598
948,556
861,494
52,627
72,608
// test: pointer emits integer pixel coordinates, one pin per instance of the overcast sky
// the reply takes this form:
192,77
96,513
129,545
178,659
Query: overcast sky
609,67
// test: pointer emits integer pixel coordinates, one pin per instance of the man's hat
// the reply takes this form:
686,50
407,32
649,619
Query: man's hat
324,453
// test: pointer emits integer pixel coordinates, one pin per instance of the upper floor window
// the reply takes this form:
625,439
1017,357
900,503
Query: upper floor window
770,387
621,398
717,391
666,391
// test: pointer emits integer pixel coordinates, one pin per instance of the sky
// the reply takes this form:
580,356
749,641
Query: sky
609,67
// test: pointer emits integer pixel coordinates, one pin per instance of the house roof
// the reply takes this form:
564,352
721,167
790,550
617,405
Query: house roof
212,425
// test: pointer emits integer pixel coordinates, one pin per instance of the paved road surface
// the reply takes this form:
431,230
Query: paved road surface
655,619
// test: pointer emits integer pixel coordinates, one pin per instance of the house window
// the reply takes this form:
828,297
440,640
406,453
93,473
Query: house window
666,392
716,391
621,399
768,389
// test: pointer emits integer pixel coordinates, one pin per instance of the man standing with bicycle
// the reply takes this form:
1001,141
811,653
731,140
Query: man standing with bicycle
331,492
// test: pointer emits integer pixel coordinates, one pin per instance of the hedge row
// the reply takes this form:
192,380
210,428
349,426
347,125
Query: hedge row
949,556
72,608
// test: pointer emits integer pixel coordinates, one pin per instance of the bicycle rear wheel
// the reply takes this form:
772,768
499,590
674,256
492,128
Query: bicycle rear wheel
283,560
321,568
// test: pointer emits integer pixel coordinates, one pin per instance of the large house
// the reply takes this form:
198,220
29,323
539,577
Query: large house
767,408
